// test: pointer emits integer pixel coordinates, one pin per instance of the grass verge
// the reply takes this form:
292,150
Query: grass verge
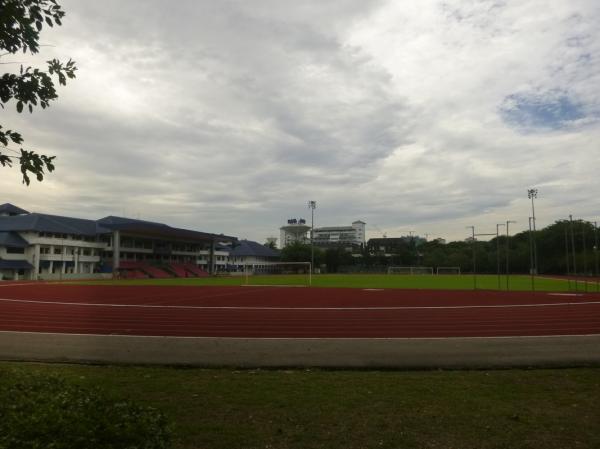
444,282
222,408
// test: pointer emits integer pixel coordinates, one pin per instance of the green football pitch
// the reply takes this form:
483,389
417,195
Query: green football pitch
443,282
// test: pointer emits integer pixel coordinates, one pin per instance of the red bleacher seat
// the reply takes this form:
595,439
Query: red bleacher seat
194,270
178,269
155,272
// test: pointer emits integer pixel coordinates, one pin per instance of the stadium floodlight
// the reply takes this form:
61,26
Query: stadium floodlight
532,194
312,205
498,251
508,222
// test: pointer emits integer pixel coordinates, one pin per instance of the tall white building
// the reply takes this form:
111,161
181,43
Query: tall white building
296,230
353,235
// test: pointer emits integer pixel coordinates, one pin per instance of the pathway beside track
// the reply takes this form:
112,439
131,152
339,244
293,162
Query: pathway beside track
292,327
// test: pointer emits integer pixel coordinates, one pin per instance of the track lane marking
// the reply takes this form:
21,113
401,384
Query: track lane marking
155,306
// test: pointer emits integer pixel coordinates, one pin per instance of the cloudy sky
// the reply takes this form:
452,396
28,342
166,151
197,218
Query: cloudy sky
228,116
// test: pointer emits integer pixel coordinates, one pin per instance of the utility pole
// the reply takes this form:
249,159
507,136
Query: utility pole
508,222
312,205
596,256
567,256
498,251
585,272
532,194
574,252
474,260
473,241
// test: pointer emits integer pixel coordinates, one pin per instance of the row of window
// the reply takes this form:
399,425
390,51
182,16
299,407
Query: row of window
58,250
54,235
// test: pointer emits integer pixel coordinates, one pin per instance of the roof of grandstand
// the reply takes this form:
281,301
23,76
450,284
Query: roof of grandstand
11,209
250,248
159,229
15,264
12,240
51,223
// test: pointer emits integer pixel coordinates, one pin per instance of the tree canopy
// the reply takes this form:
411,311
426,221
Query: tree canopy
21,22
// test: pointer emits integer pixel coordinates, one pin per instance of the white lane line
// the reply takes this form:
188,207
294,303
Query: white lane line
19,284
154,306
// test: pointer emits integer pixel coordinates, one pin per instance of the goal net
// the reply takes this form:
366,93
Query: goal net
448,270
279,273
410,270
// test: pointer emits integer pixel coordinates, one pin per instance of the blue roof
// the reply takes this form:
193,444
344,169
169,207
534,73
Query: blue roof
67,225
250,248
11,209
12,240
51,223
15,264
158,229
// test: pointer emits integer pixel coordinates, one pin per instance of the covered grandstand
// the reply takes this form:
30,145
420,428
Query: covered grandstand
41,246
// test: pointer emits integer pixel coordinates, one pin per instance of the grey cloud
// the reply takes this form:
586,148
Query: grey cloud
228,116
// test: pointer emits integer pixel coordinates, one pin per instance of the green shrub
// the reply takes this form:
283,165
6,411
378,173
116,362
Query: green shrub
40,411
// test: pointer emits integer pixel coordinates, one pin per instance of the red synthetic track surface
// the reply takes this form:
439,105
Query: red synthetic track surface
292,312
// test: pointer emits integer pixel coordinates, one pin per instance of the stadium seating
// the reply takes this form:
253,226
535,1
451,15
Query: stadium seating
149,270
178,269
155,272
194,270
133,274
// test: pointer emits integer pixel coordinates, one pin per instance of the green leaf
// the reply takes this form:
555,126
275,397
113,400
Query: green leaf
20,107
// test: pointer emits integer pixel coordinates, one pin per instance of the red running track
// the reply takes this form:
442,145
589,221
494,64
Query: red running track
271,312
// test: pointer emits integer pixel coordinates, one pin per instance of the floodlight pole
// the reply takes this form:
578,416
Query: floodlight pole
532,194
508,222
312,205
596,256
574,253
531,257
474,259
567,255
585,284
498,251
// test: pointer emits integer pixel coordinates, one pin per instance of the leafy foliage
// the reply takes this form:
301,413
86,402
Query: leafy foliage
45,411
21,22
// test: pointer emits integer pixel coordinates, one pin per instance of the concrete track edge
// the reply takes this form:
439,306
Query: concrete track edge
402,353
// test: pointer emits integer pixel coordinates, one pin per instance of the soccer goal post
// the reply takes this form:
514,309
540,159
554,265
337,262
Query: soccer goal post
448,270
410,270
278,273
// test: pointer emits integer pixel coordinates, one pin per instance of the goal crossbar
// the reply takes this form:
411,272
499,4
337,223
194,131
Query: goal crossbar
448,270
277,268
410,270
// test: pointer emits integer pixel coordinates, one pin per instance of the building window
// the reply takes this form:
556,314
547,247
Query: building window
57,250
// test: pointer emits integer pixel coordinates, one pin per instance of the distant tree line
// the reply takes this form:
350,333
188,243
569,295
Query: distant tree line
554,244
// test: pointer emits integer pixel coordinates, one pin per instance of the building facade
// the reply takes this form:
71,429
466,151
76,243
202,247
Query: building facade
344,236
41,246
296,230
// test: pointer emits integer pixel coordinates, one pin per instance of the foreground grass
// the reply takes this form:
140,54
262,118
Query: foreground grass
222,408
445,282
